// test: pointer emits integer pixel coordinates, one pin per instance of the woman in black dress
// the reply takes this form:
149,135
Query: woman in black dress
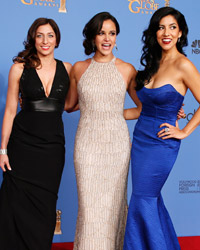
32,148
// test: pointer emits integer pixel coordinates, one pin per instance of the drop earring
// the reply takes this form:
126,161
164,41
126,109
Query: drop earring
116,47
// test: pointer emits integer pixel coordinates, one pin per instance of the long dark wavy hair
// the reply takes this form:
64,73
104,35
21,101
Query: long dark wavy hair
93,27
152,52
29,55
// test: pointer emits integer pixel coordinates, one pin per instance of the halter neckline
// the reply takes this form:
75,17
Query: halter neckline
113,59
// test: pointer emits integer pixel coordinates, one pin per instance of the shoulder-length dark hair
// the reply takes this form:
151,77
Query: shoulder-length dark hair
93,27
29,55
152,51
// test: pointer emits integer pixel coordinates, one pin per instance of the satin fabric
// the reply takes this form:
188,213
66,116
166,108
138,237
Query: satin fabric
149,226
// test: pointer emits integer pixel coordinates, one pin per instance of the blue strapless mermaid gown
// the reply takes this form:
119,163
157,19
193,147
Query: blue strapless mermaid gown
149,226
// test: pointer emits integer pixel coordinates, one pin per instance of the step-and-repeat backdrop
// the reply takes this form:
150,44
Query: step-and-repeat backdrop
182,189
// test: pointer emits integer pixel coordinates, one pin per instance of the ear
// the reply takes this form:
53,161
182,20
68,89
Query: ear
180,34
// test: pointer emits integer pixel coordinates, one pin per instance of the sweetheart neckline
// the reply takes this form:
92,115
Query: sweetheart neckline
165,86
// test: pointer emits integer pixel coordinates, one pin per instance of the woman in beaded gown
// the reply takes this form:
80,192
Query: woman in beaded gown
102,145
34,139
161,87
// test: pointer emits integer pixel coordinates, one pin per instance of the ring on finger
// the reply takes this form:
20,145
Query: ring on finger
166,129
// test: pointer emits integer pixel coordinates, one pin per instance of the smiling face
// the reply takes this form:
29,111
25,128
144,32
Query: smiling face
106,38
45,40
168,33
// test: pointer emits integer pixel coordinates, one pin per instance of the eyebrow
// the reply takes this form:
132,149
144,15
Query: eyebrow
51,32
109,31
169,25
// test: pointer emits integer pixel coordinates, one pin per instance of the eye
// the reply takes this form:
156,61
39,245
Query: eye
113,33
38,35
173,27
101,33
160,28
51,35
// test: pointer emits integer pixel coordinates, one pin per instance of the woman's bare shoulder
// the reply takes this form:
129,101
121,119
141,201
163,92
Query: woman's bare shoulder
126,67
81,64
17,68
124,64
79,68
185,65
68,66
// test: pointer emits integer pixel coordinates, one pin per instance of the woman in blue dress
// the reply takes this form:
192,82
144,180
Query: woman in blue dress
161,88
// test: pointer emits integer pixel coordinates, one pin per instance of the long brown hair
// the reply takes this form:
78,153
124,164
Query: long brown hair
29,55
152,52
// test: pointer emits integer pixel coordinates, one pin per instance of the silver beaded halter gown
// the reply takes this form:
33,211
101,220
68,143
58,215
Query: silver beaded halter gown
101,156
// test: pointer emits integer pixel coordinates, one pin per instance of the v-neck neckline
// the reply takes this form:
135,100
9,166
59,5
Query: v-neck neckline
52,85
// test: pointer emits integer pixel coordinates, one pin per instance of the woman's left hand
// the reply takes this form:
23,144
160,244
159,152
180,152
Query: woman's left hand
171,131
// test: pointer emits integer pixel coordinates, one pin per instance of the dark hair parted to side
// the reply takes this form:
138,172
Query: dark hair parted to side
29,55
93,27
152,51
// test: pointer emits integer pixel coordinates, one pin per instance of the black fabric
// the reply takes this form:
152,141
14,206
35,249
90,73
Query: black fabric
36,153
44,105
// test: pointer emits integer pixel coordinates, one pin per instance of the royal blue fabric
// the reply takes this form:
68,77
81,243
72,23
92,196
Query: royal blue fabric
149,226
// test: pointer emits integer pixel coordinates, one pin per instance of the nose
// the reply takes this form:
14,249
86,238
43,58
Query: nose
166,31
45,40
107,37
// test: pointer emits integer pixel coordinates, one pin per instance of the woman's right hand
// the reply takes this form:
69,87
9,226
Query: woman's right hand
181,113
4,163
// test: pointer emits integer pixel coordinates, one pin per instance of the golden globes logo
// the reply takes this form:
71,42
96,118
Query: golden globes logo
143,6
61,4
167,3
58,222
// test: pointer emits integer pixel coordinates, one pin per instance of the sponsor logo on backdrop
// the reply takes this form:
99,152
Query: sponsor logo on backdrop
145,6
196,47
190,115
59,4
189,186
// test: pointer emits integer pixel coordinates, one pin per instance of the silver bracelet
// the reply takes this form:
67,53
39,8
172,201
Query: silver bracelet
3,151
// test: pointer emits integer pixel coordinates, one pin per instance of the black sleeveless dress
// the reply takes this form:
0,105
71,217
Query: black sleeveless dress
36,153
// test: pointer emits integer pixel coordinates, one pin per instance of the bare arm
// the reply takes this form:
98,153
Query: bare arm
133,113
10,109
191,79
71,102
68,67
